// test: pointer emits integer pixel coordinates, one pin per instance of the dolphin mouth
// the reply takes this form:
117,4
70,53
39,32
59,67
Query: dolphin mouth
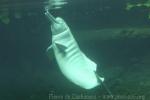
50,16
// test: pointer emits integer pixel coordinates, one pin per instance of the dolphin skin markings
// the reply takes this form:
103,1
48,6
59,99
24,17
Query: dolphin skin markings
73,63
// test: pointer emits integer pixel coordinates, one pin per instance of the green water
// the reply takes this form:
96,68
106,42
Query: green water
117,39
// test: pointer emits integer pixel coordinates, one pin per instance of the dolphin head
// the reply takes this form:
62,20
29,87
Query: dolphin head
59,27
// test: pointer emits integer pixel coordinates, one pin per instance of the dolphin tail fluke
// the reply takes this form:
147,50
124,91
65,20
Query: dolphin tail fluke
101,78
101,81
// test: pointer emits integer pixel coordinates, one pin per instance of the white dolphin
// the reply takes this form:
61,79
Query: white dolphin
73,63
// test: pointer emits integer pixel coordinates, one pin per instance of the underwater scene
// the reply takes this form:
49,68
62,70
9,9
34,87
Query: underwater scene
74,49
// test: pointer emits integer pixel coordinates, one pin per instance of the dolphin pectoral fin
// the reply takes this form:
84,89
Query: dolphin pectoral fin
49,48
50,53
